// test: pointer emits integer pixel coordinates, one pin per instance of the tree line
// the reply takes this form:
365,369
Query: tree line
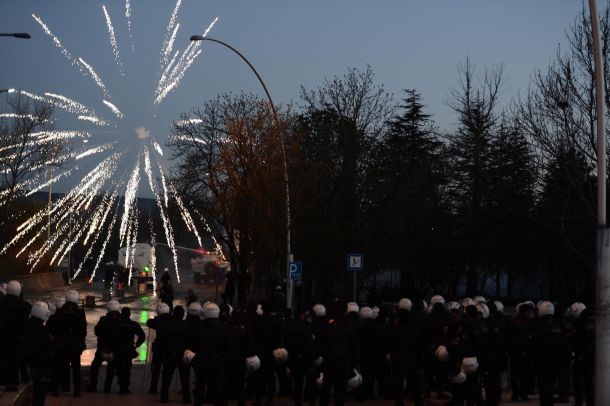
508,194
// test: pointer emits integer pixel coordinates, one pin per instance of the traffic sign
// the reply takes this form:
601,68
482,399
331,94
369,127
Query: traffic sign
355,262
296,271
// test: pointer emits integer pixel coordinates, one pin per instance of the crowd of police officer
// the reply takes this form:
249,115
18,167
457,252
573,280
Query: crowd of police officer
454,350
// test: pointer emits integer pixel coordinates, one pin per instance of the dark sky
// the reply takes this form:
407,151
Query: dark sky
409,44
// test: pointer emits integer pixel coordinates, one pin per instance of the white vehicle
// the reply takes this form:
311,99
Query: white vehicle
140,257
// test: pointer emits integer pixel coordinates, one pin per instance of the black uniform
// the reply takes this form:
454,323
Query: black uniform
175,330
267,335
106,331
239,346
435,328
545,349
494,358
69,328
340,350
125,350
406,350
14,313
519,341
160,347
584,360
38,357
299,344
209,344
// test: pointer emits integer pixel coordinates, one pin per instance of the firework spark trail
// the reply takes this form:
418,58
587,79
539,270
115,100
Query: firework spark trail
103,250
71,105
167,70
113,43
56,40
100,225
132,246
60,205
94,75
80,63
157,148
99,219
184,213
94,120
153,256
169,234
164,185
209,230
114,108
14,115
46,136
186,138
190,121
187,58
128,18
130,195
127,241
170,26
170,45
93,151
52,180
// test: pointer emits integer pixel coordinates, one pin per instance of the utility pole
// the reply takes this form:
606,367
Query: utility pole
602,286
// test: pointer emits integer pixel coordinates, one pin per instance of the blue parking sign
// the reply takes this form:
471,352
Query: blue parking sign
355,262
296,271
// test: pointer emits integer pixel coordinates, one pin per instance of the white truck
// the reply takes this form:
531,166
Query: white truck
140,257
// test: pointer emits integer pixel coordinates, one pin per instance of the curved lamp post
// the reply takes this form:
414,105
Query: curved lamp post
277,123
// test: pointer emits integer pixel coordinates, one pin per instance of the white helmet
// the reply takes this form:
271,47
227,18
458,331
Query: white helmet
375,311
59,303
499,306
280,355
162,308
253,363
188,357
480,299
576,309
546,308
259,309
459,378
320,380
14,288
72,296
441,353
437,299
210,311
366,313
319,310
355,381
115,306
352,307
470,365
453,306
405,304
483,309
194,309
467,302
41,311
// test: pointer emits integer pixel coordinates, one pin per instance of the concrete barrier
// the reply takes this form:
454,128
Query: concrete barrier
40,282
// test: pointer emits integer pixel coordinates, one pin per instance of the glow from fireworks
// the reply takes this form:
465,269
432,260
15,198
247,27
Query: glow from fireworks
93,151
184,213
169,234
114,108
56,40
103,249
52,180
113,43
95,76
46,136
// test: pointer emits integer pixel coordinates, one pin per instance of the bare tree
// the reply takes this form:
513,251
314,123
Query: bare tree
27,149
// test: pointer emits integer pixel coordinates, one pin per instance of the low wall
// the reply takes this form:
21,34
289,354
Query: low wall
40,282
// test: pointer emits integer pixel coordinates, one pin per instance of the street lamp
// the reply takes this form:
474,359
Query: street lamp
277,123
7,90
23,35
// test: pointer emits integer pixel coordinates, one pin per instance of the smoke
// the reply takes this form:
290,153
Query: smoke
142,133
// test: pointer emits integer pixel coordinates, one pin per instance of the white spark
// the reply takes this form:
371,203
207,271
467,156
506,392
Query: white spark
190,121
170,27
114,108
128,18
94,75
113,43
94,120
130,195
71,105
158,148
